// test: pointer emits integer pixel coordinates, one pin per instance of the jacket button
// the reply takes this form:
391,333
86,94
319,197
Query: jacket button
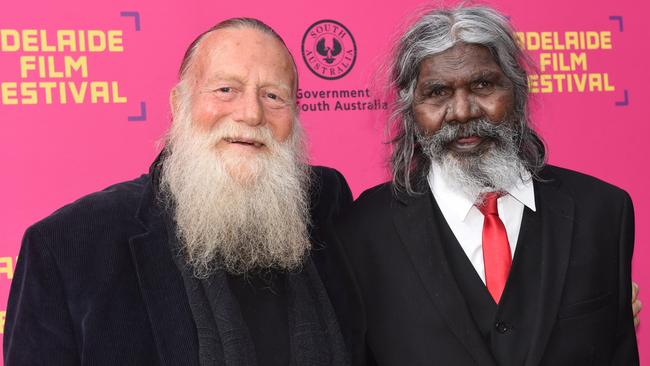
502,327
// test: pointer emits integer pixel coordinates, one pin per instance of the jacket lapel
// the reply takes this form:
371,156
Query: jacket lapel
413,219
162,287
557,215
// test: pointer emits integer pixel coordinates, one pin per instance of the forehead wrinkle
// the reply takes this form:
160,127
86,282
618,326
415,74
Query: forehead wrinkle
454,62
438,70
463,51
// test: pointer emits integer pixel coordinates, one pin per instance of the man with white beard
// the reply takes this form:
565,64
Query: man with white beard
478,252
207,259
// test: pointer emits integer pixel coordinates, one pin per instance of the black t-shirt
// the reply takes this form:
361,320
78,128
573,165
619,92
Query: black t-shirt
262,298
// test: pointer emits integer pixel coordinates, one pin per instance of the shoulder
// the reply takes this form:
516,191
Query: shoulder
581,185
373,205
116,199
105,213
326,178
379,197
329,192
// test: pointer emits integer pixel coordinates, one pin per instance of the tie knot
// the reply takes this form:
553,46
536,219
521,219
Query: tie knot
488,205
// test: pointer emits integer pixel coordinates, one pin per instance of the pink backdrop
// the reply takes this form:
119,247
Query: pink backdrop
52,153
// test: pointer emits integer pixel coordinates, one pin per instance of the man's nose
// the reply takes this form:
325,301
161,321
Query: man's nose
462,108
249,109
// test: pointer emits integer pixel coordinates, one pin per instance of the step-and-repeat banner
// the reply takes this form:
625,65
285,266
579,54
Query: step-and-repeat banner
84,94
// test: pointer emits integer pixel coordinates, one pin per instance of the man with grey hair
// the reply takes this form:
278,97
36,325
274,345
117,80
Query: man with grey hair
207,259
478,252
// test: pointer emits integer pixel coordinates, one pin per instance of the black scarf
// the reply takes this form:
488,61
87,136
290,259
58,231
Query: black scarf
224,339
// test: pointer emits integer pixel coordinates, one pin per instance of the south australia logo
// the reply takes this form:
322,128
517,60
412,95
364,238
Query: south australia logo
328,49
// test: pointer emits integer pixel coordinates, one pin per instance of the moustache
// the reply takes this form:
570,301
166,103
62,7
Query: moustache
481,127
232,132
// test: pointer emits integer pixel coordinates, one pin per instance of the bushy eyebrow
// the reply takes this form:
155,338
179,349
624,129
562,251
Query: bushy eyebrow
433,83
486,74
223,77
286,88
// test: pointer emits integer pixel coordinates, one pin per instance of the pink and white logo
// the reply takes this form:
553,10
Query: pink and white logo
329,49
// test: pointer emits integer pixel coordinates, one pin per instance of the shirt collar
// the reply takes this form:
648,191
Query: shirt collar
459,205
524,191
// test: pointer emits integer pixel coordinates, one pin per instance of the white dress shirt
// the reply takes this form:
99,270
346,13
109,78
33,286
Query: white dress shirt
466,221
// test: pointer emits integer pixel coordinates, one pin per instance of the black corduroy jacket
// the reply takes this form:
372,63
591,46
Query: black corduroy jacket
96,283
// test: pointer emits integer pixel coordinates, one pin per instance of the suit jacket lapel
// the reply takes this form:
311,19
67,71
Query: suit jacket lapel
413,220
557,215
162,287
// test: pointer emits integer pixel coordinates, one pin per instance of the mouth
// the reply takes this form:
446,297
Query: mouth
467,143
244,142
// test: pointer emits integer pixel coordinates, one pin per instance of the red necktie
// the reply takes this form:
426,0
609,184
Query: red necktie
496,249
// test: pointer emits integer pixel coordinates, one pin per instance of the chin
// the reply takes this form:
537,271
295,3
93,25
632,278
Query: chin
242,167
243,172
478,150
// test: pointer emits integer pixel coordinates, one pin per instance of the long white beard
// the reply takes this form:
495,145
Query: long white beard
237,214
496,167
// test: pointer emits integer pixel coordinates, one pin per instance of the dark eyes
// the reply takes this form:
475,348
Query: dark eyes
274,100
228,90
225,93
482,85
435,91
438,91
271,99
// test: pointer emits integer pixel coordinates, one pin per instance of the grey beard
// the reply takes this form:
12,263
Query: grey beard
495,166
238,225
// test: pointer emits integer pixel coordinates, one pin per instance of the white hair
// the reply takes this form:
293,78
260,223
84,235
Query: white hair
493,167
257,218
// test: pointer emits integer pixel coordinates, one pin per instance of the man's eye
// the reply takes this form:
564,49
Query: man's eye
436,92
483,84
224,89
274,100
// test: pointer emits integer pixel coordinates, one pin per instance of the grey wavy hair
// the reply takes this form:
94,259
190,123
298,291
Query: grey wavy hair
435,32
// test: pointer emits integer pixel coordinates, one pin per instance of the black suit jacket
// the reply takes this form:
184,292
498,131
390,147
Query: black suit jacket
96,283
578,272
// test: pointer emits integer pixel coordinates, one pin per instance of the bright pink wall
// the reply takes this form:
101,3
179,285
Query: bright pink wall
51,154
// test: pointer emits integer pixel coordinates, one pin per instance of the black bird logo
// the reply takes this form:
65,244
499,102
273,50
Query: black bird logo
327,52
